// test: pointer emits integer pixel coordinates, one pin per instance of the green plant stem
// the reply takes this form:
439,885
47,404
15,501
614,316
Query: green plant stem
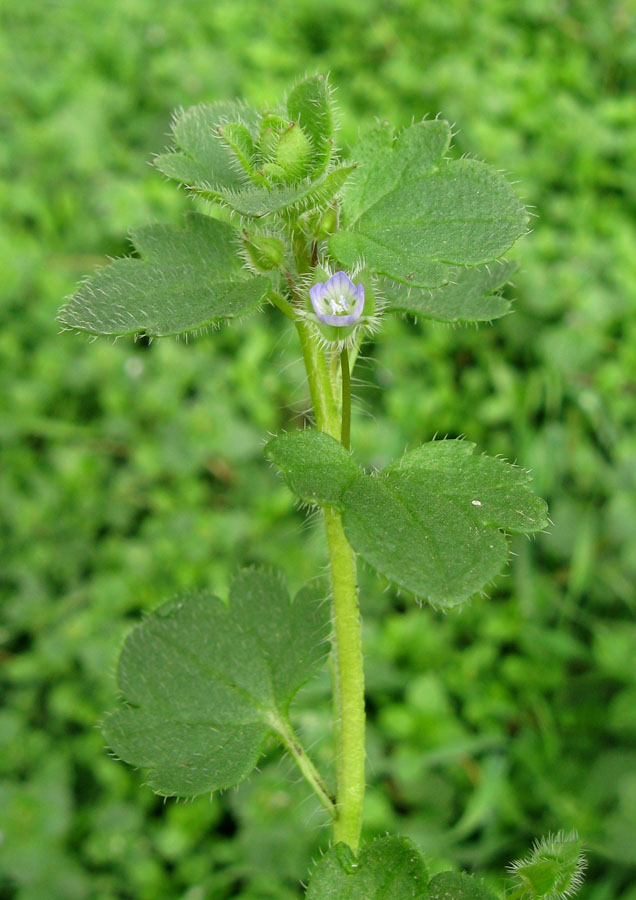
349,685
322,397
345,431
307,768
347,651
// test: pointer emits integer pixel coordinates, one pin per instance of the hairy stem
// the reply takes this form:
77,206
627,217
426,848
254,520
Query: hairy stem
349,685
347,650
345,431
320,389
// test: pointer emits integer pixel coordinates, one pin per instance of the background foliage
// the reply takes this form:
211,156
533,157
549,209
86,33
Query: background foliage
132,471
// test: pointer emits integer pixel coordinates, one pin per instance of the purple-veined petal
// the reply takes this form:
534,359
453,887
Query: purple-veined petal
317,295
317,291
340,283
343,320
359,307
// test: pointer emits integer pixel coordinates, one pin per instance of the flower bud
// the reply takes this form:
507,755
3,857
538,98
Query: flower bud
293,152
274,173
328,223
264,252
272,126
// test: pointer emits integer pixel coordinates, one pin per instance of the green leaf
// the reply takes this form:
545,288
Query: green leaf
382,160
390,868
189,278
316,467
255,202
411,213
431,522
457,886
471,295
239,140
206,682
310,105
202,158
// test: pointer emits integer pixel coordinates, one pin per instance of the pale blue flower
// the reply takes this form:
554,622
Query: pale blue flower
338,301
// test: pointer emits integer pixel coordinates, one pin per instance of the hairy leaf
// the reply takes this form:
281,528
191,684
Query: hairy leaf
470,296
201,157
382,160
457,886
411,213
390,868
431,523
189,278
256,202
309,104
316,467
205,682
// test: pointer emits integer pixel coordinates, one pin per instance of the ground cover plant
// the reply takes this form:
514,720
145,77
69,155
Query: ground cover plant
114,455
204,682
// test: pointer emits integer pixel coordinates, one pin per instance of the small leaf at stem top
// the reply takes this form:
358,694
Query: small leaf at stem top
202,156
257,203
309,103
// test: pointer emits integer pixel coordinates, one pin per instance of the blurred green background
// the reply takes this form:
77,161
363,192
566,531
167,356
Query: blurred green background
130,471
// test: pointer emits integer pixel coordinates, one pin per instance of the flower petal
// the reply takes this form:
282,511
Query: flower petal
317,294
359,307
343,321
340,283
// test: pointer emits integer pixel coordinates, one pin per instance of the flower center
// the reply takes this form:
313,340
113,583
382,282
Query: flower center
339,304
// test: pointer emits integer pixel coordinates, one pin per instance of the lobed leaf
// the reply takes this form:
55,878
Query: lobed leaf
189,278
201,157
471,295
382,160
410,213
431,523
206,682
390,868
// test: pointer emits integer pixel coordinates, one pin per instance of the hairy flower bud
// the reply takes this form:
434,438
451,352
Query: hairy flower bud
272,126
328,223
293,152
263,252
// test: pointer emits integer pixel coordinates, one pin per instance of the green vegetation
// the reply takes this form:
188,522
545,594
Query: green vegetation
134,471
